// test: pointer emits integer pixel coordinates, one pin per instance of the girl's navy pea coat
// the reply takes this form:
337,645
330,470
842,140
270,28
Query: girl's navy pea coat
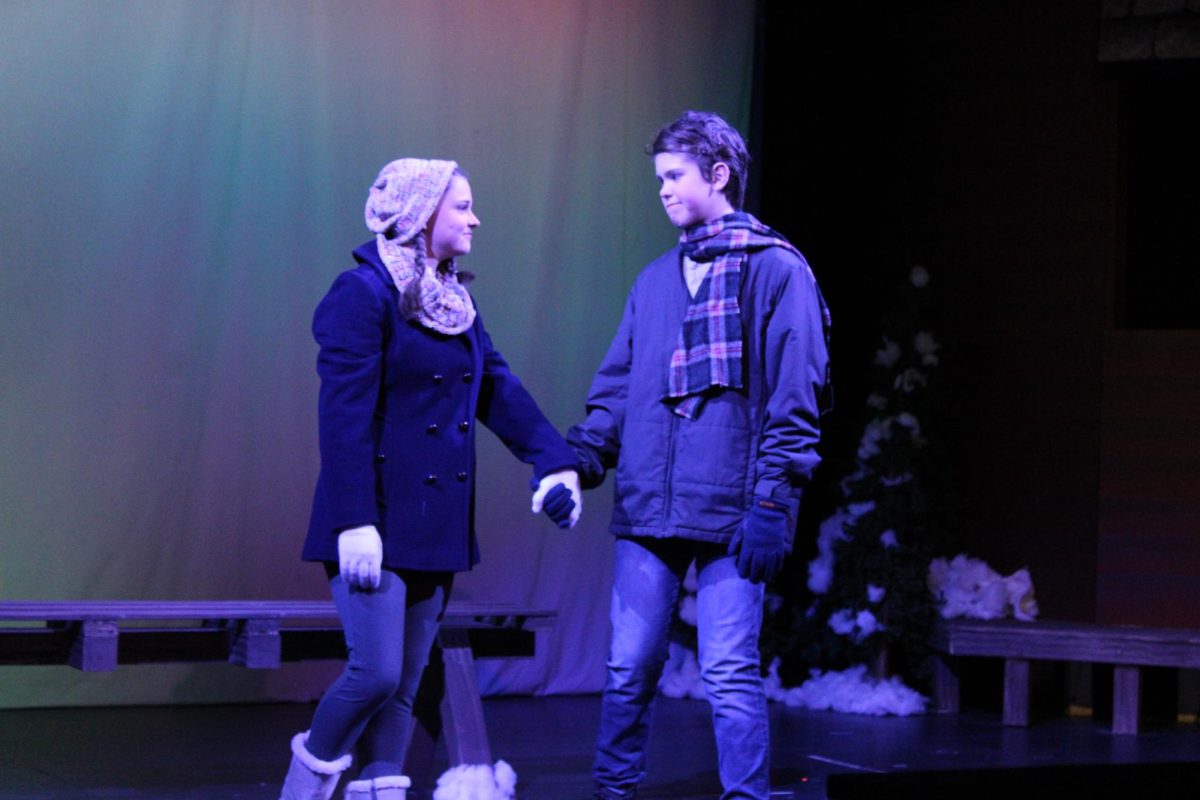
398,407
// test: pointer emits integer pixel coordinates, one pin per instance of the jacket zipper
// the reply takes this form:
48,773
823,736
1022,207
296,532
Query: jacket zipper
670,494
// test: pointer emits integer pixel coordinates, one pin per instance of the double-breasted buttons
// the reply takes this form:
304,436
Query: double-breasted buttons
438,377
431,478
431,428
468,377
462,477
464,426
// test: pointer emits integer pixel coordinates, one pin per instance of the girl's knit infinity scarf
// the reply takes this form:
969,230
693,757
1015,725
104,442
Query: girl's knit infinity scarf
401,201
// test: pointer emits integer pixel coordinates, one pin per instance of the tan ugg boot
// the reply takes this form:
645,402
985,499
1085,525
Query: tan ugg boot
308,777
389,787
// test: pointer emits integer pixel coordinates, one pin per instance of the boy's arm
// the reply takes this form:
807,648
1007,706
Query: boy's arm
597,440
796,361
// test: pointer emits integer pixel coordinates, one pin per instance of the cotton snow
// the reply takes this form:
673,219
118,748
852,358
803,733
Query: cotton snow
968,587
681,674
857,626
850,691
888,355
927,346
477,782
820,569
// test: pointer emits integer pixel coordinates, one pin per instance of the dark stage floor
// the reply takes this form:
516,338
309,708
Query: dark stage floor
170,753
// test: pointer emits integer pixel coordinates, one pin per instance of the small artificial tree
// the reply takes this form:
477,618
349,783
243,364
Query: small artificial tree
869,580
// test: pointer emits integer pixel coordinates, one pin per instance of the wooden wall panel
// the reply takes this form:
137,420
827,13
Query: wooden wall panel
1012,157
982,140
1148,566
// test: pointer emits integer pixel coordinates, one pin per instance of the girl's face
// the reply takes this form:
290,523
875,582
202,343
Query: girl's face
452,225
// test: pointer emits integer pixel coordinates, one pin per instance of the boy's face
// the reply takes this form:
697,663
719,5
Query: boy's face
687,198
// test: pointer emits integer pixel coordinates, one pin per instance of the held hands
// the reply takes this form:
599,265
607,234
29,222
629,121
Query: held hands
761,543
360,557
558,495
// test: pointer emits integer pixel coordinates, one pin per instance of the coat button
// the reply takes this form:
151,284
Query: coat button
464,426
438,377
431,427
462,476
380,458
467,377
431,478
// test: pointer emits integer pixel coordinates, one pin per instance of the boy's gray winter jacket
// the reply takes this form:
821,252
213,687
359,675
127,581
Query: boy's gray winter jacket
695,479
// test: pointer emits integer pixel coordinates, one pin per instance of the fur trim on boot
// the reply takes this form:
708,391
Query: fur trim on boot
308,777
388,787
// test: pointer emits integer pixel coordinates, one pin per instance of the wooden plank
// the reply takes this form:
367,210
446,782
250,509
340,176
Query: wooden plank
462,711
1145,560
463,614
484,616
945,685
1127,691
157,645
118,610
250,633
1060,641
426,731
1016,691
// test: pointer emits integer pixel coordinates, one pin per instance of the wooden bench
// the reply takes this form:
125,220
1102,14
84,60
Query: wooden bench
1127,648
99,635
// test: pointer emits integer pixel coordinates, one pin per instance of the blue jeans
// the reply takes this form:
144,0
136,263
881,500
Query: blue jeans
647,577
389,632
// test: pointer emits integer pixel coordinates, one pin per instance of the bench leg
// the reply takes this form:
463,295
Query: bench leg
426,730
945,684
462,709
1016,691
95,646
1127,686
256,644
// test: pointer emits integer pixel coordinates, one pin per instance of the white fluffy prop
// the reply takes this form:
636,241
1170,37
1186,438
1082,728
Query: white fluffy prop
967,587
681,674
477,782
851,691
857,626
820,569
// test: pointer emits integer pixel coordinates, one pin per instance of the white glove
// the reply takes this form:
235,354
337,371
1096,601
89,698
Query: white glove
568,478
360,556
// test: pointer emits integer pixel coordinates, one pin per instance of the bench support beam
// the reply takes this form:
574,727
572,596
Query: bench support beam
1127,691
1016,691
945,684
94,648
256,644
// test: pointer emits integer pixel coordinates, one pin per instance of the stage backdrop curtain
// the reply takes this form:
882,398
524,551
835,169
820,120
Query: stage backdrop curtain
182,181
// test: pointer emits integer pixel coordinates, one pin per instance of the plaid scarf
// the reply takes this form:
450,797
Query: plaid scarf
708,352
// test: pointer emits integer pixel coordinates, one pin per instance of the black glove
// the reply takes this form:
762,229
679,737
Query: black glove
762,541
558,504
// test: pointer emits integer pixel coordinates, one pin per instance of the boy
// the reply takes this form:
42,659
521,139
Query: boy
708,405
